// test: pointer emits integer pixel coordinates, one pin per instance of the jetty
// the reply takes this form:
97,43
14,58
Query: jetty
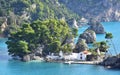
82,62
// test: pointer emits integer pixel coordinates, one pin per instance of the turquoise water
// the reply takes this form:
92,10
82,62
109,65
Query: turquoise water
14,67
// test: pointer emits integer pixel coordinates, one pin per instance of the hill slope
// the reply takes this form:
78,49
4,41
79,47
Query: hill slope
103,10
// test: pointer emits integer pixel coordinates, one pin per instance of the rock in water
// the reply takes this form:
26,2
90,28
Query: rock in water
96,26
89,36
112,62
81,45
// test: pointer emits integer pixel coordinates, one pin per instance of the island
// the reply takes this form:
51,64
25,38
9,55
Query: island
46,30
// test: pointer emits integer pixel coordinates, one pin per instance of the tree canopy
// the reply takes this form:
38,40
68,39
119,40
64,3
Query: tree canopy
53,34
108,36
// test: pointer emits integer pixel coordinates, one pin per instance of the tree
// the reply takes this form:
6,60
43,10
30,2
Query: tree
52,34
19,42
19,48
101,45
109,36
74,31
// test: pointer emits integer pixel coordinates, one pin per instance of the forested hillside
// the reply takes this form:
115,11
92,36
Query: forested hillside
16,12
102,10
13,13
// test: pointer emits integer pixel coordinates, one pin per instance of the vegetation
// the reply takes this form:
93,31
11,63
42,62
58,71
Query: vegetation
109,37
101,45
18,12
50,33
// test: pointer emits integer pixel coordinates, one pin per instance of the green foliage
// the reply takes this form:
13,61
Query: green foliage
18,48
74,31
18,42
50,33
108,36
92,50
28,11
66,48
101,45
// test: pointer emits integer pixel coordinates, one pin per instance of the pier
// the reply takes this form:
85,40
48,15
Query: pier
82,62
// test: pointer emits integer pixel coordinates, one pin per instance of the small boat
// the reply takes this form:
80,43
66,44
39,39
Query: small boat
68,62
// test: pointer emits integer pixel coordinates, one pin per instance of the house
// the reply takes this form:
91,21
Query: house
77,56
83,55
73,56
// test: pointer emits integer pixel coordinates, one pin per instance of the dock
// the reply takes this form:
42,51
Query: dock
82,62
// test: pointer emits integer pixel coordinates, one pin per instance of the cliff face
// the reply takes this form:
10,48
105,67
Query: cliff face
102,10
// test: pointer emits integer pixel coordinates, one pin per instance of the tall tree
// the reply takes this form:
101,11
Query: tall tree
109,36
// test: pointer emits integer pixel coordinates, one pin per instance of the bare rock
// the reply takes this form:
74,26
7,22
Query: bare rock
26,58
89,36
112,62
81,45
96,26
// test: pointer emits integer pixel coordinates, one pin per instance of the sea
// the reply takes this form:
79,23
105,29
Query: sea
8,66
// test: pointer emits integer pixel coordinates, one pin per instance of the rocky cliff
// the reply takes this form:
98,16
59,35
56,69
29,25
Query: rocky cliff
81,46
102,10
89,36
112,62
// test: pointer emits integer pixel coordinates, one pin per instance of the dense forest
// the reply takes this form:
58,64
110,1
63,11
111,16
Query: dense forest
17,12
54,35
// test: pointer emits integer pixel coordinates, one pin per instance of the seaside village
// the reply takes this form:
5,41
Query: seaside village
73,56
83,57
83,54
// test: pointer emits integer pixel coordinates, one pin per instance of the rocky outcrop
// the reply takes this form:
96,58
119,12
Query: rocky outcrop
112,62
38,51
89,36
3,24
30,57
36,55
81,46
73,23
96,26
70,41
26,58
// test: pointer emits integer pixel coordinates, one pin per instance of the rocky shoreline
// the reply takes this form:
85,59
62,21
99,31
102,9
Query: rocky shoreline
111,62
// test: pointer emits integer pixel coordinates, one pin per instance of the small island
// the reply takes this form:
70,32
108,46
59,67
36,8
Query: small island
59,37
52,40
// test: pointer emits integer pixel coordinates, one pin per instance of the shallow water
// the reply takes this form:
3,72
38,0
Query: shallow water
14,67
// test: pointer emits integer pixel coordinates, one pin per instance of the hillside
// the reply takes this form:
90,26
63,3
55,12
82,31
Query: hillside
102,10
17,12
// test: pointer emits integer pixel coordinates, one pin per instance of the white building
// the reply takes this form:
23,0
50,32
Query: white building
77,56
73,56
55,57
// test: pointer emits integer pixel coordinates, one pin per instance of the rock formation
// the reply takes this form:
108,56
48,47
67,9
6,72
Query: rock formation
3,24
73,23
112,62
81,45
89,36
96,26
26,58
101,10
70,41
